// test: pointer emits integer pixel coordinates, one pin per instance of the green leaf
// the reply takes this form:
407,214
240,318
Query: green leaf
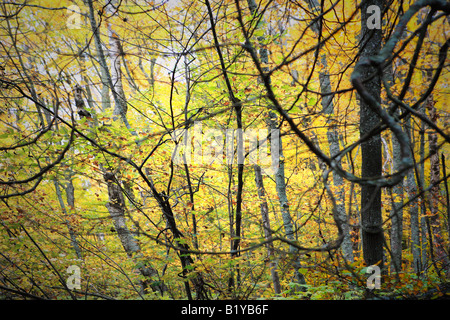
312,101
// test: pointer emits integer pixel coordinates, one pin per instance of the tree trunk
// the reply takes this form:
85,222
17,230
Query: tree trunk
116,52
447,197
411,190
104,72
280,183
279,175
371,219
333,141
396,215
332,137
73,238
267,230
182,247
119,97
423,211
116,208
116,205
235,232
442,258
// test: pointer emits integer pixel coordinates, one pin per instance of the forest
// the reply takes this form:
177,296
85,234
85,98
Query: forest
224,150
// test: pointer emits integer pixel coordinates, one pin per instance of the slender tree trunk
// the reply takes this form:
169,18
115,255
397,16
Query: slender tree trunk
116,205
338,181
84,77
25,66
192,212
73,238
447,198
230,195
267,230
116,54
104,73
119,96
130,76
442,258
396,231
70,197
150,78
371,220
116,208
333,138
396,213
237,106
423,211
280,181
411,190
183,248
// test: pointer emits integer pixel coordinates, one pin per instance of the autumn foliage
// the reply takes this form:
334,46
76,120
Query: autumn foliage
95,101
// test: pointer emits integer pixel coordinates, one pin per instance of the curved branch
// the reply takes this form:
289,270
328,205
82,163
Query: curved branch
46,168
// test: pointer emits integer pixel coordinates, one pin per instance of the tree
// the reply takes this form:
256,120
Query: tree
433,216
371,161
267,229
332,136
278,157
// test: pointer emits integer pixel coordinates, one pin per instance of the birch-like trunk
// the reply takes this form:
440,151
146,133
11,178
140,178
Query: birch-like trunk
442,258
411,190
116,204
338,181
280,173
423,211
116,208
447,198
119,96
267,230
333,141
280,182
120,107
73,238
396,215
104,72
150,78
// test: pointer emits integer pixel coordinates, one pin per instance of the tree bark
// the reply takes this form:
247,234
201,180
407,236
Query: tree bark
332,137
104,72
116,53
371,219
73,238
442,258
396,231
182,247
116,208
119,97
396,192
116,205
235,232
267,230
411,190
447,197
280,181
423,211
